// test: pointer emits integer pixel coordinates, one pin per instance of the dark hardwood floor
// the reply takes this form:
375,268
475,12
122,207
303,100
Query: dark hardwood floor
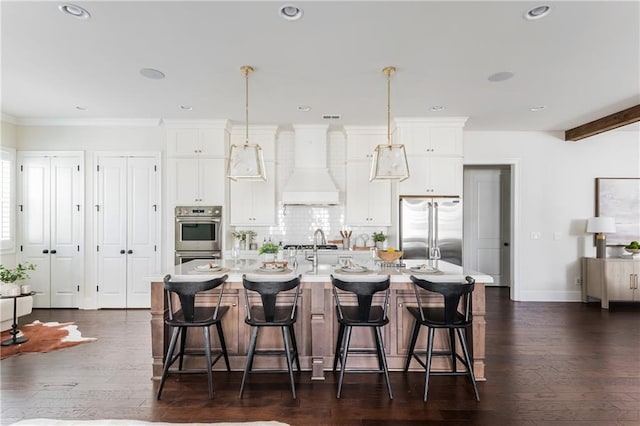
547,363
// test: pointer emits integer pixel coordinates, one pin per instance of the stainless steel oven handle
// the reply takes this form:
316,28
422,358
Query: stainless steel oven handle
197,220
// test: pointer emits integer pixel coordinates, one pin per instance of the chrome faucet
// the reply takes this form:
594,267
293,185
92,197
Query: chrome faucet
323,241
313,258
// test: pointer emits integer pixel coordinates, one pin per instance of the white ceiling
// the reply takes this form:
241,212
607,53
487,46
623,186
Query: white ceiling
582,61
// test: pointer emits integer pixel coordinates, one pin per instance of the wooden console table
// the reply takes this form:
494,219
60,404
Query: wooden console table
610,280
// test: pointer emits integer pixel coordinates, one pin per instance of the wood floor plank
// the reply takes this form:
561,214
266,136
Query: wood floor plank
547,364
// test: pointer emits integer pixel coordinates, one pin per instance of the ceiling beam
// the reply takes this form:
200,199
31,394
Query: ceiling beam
610,122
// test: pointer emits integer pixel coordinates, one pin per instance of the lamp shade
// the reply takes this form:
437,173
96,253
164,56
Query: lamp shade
601,224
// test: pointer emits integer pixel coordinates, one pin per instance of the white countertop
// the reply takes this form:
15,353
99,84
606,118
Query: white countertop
447,272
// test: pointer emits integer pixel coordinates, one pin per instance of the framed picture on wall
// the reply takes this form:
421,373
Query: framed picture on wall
620,198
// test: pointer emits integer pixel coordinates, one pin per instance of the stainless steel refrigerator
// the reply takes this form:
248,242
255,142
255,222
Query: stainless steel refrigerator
426,222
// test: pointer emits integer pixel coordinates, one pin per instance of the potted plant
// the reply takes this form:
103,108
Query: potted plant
243,237
379,239
8,277
269,250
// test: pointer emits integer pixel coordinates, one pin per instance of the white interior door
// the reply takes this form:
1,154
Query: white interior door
66,230
34,195
484,238
142,221
112,232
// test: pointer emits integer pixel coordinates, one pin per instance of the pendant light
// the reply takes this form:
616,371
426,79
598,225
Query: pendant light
245,161
389,161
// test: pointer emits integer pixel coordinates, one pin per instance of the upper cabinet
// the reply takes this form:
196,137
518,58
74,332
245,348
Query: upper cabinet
426,137
205,139
362,141
199,181
265,136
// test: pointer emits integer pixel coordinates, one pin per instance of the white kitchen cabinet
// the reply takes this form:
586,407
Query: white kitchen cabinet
127,227
427,138
265,136
199,181
189,142
611,279
362,141
367,203
50,225
433,176
253,202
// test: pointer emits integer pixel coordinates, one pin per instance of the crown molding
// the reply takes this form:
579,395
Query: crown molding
6,118
89,122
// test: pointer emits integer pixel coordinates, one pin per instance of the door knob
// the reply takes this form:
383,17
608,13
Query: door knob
53,252
45,251
505,244
121,251
129,251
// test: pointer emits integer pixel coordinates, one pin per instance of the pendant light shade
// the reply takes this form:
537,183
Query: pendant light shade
389,161
246,162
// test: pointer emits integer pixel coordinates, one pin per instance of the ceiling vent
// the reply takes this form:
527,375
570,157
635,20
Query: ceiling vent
331,117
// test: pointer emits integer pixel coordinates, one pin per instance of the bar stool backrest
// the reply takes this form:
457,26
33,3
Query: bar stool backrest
452,293
186,292
364,290
269,291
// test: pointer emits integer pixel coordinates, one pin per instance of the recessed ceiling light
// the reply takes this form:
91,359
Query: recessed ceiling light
74,10
537,12
151,73
186,107
304,108
500,76
437,108
537,108
290,12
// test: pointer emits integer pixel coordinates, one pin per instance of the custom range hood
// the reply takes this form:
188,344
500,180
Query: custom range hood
310,182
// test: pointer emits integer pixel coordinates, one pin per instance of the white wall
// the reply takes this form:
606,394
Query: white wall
555,195
555,187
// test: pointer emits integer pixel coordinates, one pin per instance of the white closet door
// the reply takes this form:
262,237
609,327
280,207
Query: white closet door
112,232
66,227
142,206
34,195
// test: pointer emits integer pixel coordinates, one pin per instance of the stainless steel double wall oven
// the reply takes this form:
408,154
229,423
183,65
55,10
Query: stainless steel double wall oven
198,233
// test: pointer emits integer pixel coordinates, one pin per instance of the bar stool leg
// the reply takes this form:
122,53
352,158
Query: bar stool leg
343,360
469,362
287,350
452,345
339,345
223,344
294,344
412,344
428,364
383,359
250,354
183,341
207,351
379,354
167,360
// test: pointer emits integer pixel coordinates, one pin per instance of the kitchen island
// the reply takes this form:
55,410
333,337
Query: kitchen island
316,328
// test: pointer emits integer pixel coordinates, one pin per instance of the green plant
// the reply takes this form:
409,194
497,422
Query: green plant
379,237
9,275
243,235
268,248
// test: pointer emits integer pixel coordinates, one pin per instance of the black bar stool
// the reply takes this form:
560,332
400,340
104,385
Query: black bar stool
447,316
272,313
186,316
361,315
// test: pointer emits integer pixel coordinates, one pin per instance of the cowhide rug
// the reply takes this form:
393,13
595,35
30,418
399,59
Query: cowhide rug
44,337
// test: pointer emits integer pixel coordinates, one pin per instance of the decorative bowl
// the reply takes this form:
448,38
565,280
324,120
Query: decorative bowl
389,256
632,251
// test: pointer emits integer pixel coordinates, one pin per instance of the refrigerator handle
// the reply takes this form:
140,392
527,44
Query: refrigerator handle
429,227
436,241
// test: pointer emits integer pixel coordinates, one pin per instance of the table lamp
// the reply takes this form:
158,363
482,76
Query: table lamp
600,226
